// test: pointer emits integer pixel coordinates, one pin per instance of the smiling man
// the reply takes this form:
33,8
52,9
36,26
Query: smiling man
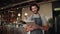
40,21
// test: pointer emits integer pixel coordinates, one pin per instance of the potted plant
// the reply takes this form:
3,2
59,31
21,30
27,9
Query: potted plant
50,21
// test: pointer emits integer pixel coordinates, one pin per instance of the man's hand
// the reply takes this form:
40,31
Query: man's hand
34,27
31,27
41,27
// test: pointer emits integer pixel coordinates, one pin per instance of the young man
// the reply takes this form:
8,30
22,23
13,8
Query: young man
38,20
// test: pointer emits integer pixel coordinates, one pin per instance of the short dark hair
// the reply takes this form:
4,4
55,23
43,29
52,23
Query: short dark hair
34,4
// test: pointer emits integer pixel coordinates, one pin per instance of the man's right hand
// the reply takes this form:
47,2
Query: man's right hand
31,27
28,28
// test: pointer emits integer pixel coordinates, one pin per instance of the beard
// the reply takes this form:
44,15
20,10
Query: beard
35,12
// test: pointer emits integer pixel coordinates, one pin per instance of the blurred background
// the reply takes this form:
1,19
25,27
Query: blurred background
13,12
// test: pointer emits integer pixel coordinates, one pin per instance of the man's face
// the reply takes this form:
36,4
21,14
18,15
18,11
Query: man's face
34,9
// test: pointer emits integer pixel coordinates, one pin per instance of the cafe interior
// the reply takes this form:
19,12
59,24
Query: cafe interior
13,14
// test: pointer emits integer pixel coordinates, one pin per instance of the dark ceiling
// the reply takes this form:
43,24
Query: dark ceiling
14,3
7,2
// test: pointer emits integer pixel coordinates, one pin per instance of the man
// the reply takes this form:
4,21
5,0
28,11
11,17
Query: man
36,17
